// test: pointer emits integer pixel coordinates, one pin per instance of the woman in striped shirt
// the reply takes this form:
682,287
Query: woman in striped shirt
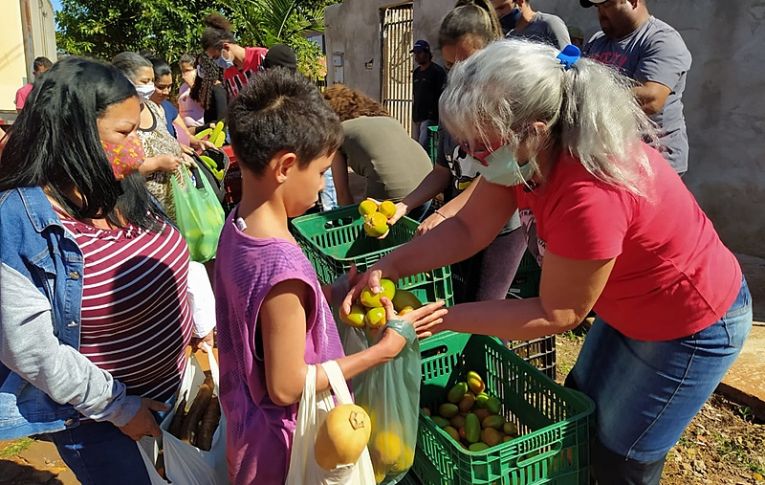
101,335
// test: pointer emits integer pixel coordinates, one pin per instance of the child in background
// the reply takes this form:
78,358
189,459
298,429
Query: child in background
273,316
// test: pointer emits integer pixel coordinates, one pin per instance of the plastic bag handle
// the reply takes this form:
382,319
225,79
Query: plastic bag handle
337,382
214,369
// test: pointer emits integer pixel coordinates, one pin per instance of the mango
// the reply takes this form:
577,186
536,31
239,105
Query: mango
493,405
456,393
376,317
510,428
506,438
387,208
478,447
472,428
371,300
388,446
403,299
453,433
356,317
367,207
475,382
462,432
376,226
458,421
481,399
482,413
425,411
448,410
405,310
492,421
440,422
491,436
466,404
404,461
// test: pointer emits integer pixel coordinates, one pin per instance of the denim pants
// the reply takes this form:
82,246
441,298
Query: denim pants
423,134
647,393
100,454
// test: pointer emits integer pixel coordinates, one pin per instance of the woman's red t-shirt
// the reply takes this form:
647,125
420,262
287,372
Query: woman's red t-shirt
237,79
673,276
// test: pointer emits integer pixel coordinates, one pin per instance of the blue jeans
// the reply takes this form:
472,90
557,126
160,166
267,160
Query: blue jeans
100,454
646,393
423,136
328,196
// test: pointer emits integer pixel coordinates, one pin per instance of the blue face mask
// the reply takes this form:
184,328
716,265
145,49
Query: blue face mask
509,20
503,168
223,63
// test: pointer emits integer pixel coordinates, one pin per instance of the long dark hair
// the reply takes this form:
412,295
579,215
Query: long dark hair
475,17
211,74
55,144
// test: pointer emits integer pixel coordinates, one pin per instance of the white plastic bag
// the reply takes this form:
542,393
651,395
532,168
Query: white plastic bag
312,411
186,464
201,299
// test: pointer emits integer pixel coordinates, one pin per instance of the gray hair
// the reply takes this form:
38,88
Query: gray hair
130,63
589,110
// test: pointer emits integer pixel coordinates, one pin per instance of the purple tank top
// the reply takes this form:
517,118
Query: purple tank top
259,434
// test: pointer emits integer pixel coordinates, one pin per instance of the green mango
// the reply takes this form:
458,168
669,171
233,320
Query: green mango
448,410
457,392
493,421
481,400
493,405
440,422
472,428
478,447
452,432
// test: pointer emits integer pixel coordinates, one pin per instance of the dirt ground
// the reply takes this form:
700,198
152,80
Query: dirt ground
723,445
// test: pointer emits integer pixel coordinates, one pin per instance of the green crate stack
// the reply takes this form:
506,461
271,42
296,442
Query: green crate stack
554,422
335,240
527,278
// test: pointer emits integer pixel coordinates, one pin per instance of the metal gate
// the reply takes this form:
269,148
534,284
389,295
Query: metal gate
397,63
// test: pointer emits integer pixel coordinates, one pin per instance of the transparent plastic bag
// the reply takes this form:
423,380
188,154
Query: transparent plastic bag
198,213
390,394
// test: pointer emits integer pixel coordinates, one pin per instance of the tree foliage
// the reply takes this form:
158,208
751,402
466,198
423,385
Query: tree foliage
104,28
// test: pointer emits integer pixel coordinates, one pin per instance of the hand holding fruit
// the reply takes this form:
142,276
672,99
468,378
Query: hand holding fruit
401,210
376,217
161,163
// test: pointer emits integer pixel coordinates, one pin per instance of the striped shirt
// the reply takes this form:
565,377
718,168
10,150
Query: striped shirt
136,321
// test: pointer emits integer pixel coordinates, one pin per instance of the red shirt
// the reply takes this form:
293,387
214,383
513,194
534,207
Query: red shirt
22,94
236,79
136,320
672,276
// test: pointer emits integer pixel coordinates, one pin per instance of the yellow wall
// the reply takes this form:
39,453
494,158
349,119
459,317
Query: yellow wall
13,69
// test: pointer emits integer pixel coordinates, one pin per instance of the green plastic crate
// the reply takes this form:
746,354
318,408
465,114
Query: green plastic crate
433,143
527,278
553,446
335,240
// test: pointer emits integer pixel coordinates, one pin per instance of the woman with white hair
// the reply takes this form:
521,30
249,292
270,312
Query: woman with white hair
614,229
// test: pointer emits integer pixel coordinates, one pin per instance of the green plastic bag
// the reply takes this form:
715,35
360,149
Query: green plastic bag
390,394
198,213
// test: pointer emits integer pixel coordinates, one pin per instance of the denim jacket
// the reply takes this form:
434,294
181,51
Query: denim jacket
46,384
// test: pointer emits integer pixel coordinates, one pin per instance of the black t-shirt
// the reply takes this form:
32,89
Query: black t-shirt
428,86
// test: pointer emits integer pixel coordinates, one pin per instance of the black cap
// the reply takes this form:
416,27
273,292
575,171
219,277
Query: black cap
590,3
421,45
280,55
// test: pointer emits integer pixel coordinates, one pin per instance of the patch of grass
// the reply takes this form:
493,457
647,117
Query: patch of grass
13,448
738,451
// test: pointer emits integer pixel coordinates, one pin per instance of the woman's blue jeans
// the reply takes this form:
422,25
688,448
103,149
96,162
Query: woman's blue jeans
646,393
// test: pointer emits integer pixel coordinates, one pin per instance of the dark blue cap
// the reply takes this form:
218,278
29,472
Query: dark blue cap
421,45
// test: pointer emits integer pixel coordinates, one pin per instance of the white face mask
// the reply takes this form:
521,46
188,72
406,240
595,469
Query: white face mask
503,168
145,91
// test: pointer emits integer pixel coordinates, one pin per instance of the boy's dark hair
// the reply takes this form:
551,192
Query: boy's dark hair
45,150
281,110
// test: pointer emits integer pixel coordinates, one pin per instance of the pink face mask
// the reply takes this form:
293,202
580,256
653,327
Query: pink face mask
125,158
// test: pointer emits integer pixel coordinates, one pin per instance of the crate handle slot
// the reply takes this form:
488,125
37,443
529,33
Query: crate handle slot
426,354
529,458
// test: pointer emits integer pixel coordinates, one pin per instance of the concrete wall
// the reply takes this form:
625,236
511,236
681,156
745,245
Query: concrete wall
13,70
724,99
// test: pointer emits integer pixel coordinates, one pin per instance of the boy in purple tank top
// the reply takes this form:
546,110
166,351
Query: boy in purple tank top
273,316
